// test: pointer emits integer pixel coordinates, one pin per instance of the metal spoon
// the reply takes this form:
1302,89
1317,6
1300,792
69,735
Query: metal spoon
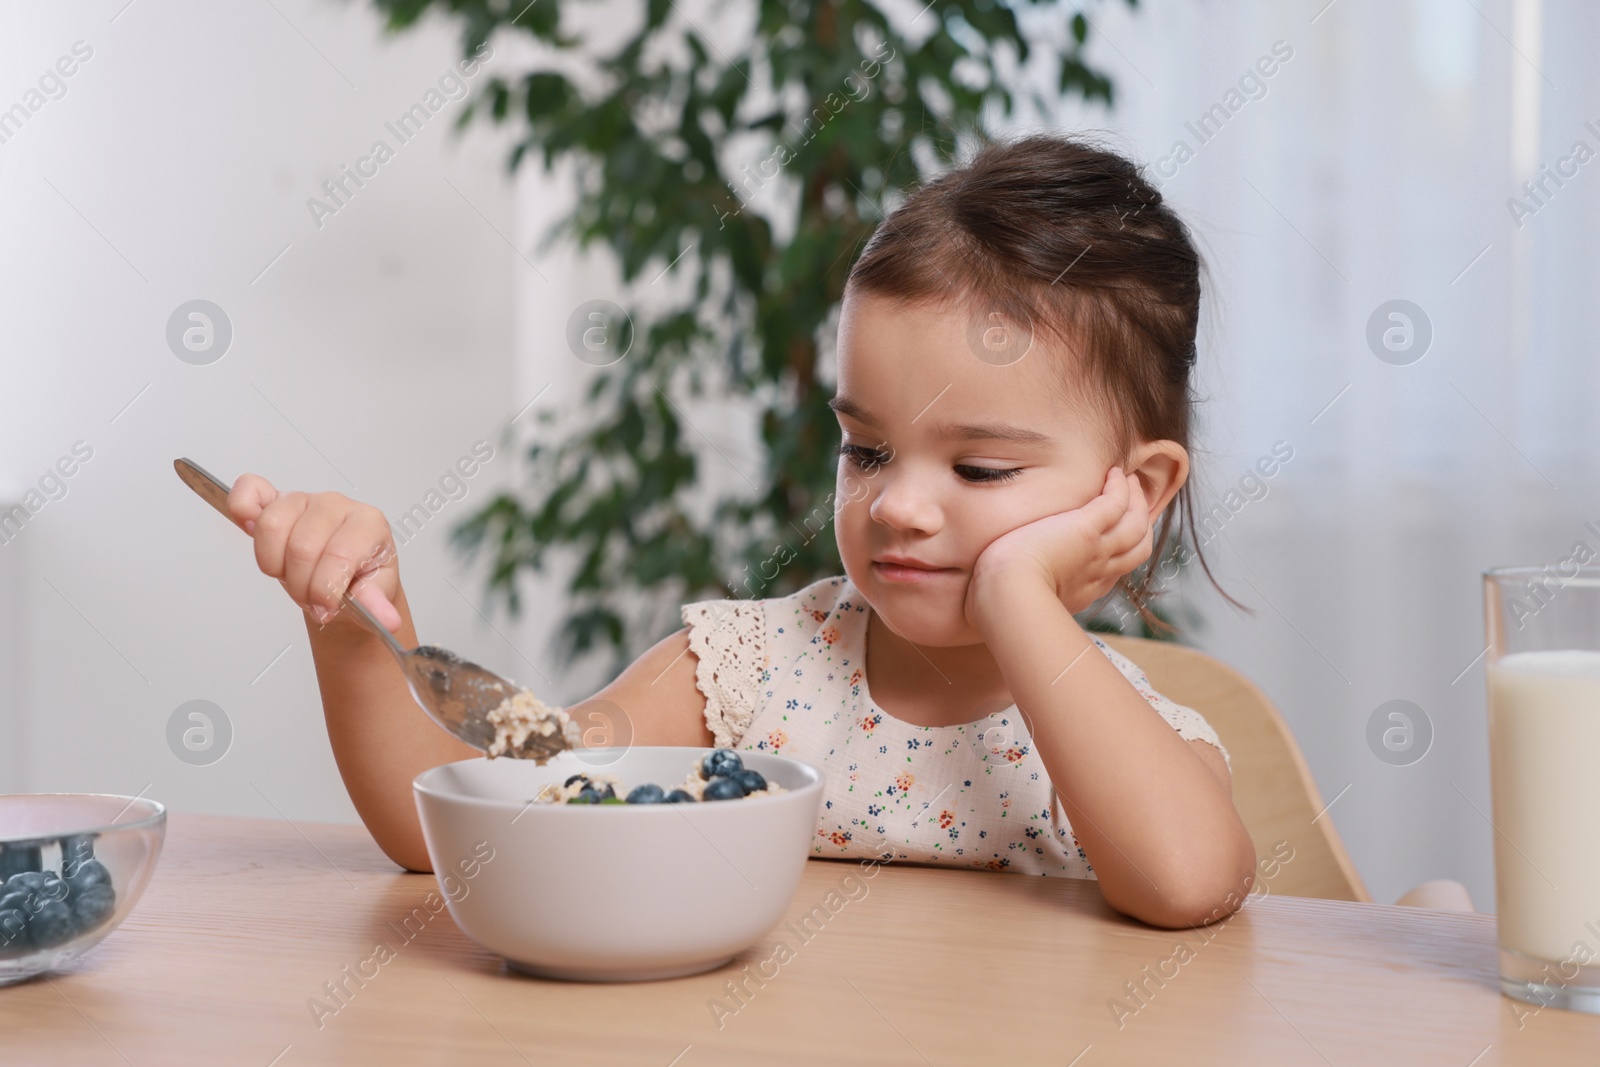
456,694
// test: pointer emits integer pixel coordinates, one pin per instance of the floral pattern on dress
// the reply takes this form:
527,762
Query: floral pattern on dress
972,795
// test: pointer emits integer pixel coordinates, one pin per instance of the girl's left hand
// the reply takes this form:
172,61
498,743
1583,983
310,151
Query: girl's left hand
1080,553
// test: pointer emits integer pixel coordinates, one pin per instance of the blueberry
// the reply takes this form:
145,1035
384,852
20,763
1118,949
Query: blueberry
88,873
647,794
29,905
724,789
751,780
14,937
32,890
52,925
92,906
721,762
52,886
586,795
32,881
679,796
576,778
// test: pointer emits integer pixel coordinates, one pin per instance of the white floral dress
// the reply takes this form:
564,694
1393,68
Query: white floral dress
788,675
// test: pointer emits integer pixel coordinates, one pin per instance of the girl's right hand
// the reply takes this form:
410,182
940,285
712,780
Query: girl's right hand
318,545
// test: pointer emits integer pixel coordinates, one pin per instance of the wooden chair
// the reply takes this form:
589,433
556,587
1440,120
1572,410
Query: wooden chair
1272,786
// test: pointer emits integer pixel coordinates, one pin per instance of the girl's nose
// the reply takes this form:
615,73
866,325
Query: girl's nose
900,504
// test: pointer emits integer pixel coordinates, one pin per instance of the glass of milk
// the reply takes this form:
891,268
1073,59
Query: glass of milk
1543,627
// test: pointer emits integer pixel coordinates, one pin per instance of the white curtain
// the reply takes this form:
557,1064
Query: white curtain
1380,161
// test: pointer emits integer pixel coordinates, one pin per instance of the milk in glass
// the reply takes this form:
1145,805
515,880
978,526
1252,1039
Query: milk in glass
1544,756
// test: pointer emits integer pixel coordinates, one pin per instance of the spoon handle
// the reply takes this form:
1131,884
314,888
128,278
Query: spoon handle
214,492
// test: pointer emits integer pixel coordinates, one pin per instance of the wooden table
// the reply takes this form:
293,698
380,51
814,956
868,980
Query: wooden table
246,920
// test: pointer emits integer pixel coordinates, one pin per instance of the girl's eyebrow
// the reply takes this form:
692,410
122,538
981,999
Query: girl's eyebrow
984,431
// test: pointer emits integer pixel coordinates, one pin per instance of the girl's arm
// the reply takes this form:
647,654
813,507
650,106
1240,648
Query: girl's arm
321,544
1153,812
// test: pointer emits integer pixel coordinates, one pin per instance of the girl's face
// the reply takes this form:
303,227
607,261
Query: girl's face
942,453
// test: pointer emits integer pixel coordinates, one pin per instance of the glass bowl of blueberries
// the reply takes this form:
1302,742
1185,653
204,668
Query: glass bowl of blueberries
72,865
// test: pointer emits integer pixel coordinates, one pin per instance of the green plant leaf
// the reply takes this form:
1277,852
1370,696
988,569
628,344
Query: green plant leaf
755,161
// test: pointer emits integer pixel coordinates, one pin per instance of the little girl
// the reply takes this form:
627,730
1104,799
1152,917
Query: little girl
1014,352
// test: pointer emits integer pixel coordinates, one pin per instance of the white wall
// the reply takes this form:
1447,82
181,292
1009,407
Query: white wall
368,354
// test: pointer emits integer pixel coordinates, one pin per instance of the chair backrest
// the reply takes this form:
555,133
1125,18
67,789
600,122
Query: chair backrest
1272,786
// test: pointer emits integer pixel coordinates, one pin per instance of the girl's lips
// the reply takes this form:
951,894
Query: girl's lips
898,572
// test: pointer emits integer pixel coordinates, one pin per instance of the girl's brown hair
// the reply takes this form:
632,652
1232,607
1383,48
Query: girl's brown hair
1062,237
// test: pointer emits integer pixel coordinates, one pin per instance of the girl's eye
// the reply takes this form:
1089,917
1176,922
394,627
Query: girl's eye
863,457
987,474
869,459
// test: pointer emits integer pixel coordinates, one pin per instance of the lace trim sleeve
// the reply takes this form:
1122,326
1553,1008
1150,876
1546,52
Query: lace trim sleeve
1190,724
728,638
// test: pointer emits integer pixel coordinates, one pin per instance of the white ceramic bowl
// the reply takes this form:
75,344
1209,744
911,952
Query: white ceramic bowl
615,892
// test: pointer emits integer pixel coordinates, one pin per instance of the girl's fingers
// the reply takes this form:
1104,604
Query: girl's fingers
365,589
250,494
319,546
1130,558
1136,497
1139,525
1133,521
308,544
1106,509
1117,488
272,527
354,551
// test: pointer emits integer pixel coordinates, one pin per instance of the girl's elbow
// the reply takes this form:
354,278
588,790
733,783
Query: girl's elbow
407,851
1203,902
1196,897
416,865
1209,896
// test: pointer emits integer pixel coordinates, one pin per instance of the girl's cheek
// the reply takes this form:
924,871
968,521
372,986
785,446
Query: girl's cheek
981,521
